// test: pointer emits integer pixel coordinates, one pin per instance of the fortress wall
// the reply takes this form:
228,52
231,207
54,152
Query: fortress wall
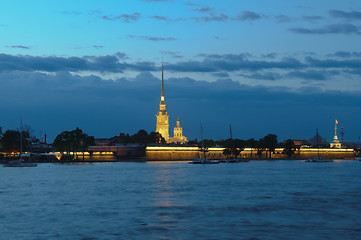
189,153
184,153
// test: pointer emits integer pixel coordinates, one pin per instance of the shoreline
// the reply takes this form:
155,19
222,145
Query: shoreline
171,160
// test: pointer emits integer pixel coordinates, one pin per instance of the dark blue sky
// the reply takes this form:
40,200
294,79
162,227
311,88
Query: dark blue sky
263,66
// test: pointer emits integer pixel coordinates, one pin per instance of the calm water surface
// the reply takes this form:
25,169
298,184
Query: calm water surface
176,200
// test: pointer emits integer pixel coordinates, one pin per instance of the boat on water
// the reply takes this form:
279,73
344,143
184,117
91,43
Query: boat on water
20,162
234,160
318,159
358,158
203,160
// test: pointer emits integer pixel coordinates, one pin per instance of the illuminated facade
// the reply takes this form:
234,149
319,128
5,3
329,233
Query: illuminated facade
162,125
178,134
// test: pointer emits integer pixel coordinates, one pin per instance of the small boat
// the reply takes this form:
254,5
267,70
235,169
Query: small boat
203,160
20,162
234,160
358,158
319,160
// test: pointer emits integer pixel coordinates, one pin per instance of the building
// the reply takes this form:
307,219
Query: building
335,143
298,142
162,125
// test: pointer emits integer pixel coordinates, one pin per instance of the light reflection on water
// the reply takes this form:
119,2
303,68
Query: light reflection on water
175,200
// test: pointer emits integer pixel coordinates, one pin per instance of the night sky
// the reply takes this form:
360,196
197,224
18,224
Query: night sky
281,67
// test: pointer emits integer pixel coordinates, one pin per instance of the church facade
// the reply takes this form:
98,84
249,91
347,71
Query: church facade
162,125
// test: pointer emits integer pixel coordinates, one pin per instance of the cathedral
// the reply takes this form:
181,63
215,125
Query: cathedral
162,125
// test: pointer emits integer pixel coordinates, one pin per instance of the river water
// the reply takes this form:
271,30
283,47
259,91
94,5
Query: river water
176,200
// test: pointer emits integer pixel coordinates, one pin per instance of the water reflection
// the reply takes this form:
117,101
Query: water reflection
176,200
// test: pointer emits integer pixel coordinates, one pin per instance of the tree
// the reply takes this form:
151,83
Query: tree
260,147
63,142
238,147
289,148
233,147
140,137
11,140
252,144
85,142
73,141
270,142
155,137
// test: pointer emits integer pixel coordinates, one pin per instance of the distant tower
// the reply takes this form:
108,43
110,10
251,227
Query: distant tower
335,143
162,126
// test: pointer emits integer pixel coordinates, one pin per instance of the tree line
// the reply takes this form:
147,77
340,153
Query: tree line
78,141
234,147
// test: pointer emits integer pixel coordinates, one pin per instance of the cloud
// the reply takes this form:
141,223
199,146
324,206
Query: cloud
211,18
161,18
270,55
128,18
329,29
248,16
233,62
19,46
203,9
354,15
172,54
344,54
331,63
108,63
307,75
312,18
283,18
120,55
269,76
152,38
129,104
98,46
221,75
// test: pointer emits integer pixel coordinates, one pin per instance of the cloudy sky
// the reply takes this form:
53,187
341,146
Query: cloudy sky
281,67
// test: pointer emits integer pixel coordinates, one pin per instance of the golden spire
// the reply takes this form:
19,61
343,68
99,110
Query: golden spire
162,81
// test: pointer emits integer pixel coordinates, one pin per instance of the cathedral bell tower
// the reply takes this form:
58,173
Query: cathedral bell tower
162,126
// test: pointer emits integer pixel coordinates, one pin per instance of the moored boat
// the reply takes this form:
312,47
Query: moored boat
20,163
318,159
203,160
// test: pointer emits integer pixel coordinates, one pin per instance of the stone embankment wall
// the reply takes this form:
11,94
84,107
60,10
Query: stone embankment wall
187,153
